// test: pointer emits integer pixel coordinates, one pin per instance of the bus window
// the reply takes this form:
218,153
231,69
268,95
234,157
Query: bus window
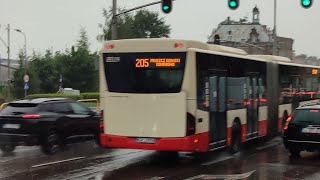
144,72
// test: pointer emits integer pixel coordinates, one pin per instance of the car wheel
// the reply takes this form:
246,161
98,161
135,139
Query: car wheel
7,148
52,144
236,144
295,153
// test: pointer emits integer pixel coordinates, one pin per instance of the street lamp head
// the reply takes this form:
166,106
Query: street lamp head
18,30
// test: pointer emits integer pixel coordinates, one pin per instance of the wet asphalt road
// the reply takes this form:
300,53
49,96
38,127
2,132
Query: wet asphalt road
87,161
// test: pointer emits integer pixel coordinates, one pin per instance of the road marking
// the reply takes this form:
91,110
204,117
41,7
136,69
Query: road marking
57,162
155,178
231,176
217,160
267,146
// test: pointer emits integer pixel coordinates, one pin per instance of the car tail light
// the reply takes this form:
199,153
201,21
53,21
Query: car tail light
101,122
191,125
31,116
287,122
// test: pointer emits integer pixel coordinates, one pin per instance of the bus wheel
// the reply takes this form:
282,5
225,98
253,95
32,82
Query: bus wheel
236,144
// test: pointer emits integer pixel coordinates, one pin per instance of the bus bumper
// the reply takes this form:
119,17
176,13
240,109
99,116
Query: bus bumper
197,142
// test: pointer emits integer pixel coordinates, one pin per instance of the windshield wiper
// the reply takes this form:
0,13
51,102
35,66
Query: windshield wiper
17,113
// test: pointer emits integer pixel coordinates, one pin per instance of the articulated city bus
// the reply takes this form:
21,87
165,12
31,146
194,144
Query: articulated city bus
179,95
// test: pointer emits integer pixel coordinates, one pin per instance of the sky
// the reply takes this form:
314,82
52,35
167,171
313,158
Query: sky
55,24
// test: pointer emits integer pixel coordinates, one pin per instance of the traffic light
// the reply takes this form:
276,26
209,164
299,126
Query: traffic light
166,6
306,3
233,4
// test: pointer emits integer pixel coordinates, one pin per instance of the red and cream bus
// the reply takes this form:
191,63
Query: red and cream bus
180,95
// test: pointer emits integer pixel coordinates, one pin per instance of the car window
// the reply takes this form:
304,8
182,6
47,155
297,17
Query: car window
19,108
57,107
306,116
79,109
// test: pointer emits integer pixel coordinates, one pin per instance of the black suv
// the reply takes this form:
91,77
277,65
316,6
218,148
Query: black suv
302,130
47,122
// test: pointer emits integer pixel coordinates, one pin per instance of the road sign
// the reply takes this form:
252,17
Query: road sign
26,78
26,86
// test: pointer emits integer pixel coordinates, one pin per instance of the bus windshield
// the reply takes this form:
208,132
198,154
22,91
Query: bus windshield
144,72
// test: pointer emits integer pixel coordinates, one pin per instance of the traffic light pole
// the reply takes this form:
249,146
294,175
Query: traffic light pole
114,15
114,20
274,46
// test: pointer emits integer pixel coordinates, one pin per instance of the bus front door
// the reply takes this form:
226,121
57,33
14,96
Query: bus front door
252,107
217,110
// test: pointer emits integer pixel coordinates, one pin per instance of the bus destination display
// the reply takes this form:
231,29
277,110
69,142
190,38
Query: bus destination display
157,62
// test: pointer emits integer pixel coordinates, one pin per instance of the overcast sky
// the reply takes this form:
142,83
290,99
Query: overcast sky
55,24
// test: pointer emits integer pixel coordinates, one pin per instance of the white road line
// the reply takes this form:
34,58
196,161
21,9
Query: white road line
231,176
217,160
57,162
155,178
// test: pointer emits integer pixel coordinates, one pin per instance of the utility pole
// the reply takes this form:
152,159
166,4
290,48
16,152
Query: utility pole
9,75
114,20
274,46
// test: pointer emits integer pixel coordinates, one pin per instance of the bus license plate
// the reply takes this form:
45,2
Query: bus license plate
146,140
11,126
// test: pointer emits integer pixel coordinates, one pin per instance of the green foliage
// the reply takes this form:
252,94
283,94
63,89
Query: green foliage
143,24
91,95
53,95
77,67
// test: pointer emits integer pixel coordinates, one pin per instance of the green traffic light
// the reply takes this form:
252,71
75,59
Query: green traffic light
306,3
165,8
232,4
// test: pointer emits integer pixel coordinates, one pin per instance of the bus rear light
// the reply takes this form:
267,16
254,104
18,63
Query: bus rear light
31,116
191,125
109,46
101,122
178,45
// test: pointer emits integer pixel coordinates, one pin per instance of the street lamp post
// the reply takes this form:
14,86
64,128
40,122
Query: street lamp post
25,58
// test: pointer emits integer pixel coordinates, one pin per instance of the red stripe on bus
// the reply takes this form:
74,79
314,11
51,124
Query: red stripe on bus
262,131
244,132
197,142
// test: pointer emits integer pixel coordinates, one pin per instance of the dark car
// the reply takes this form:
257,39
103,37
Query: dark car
302,130
47,122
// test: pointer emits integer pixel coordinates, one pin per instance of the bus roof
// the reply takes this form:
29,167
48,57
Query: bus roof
164,45
179,45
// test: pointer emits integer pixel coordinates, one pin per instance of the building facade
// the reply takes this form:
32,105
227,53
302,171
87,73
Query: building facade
252,37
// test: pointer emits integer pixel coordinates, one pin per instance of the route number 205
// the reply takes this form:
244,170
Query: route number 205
141,63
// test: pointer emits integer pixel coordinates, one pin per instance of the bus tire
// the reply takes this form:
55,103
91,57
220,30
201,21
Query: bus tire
236,144
284,118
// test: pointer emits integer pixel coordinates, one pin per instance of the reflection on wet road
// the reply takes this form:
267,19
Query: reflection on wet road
87,161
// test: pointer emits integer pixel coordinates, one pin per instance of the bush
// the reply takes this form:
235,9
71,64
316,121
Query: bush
90,95
52,95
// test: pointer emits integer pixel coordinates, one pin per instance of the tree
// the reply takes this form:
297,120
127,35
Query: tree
18,84
142,24
78,66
